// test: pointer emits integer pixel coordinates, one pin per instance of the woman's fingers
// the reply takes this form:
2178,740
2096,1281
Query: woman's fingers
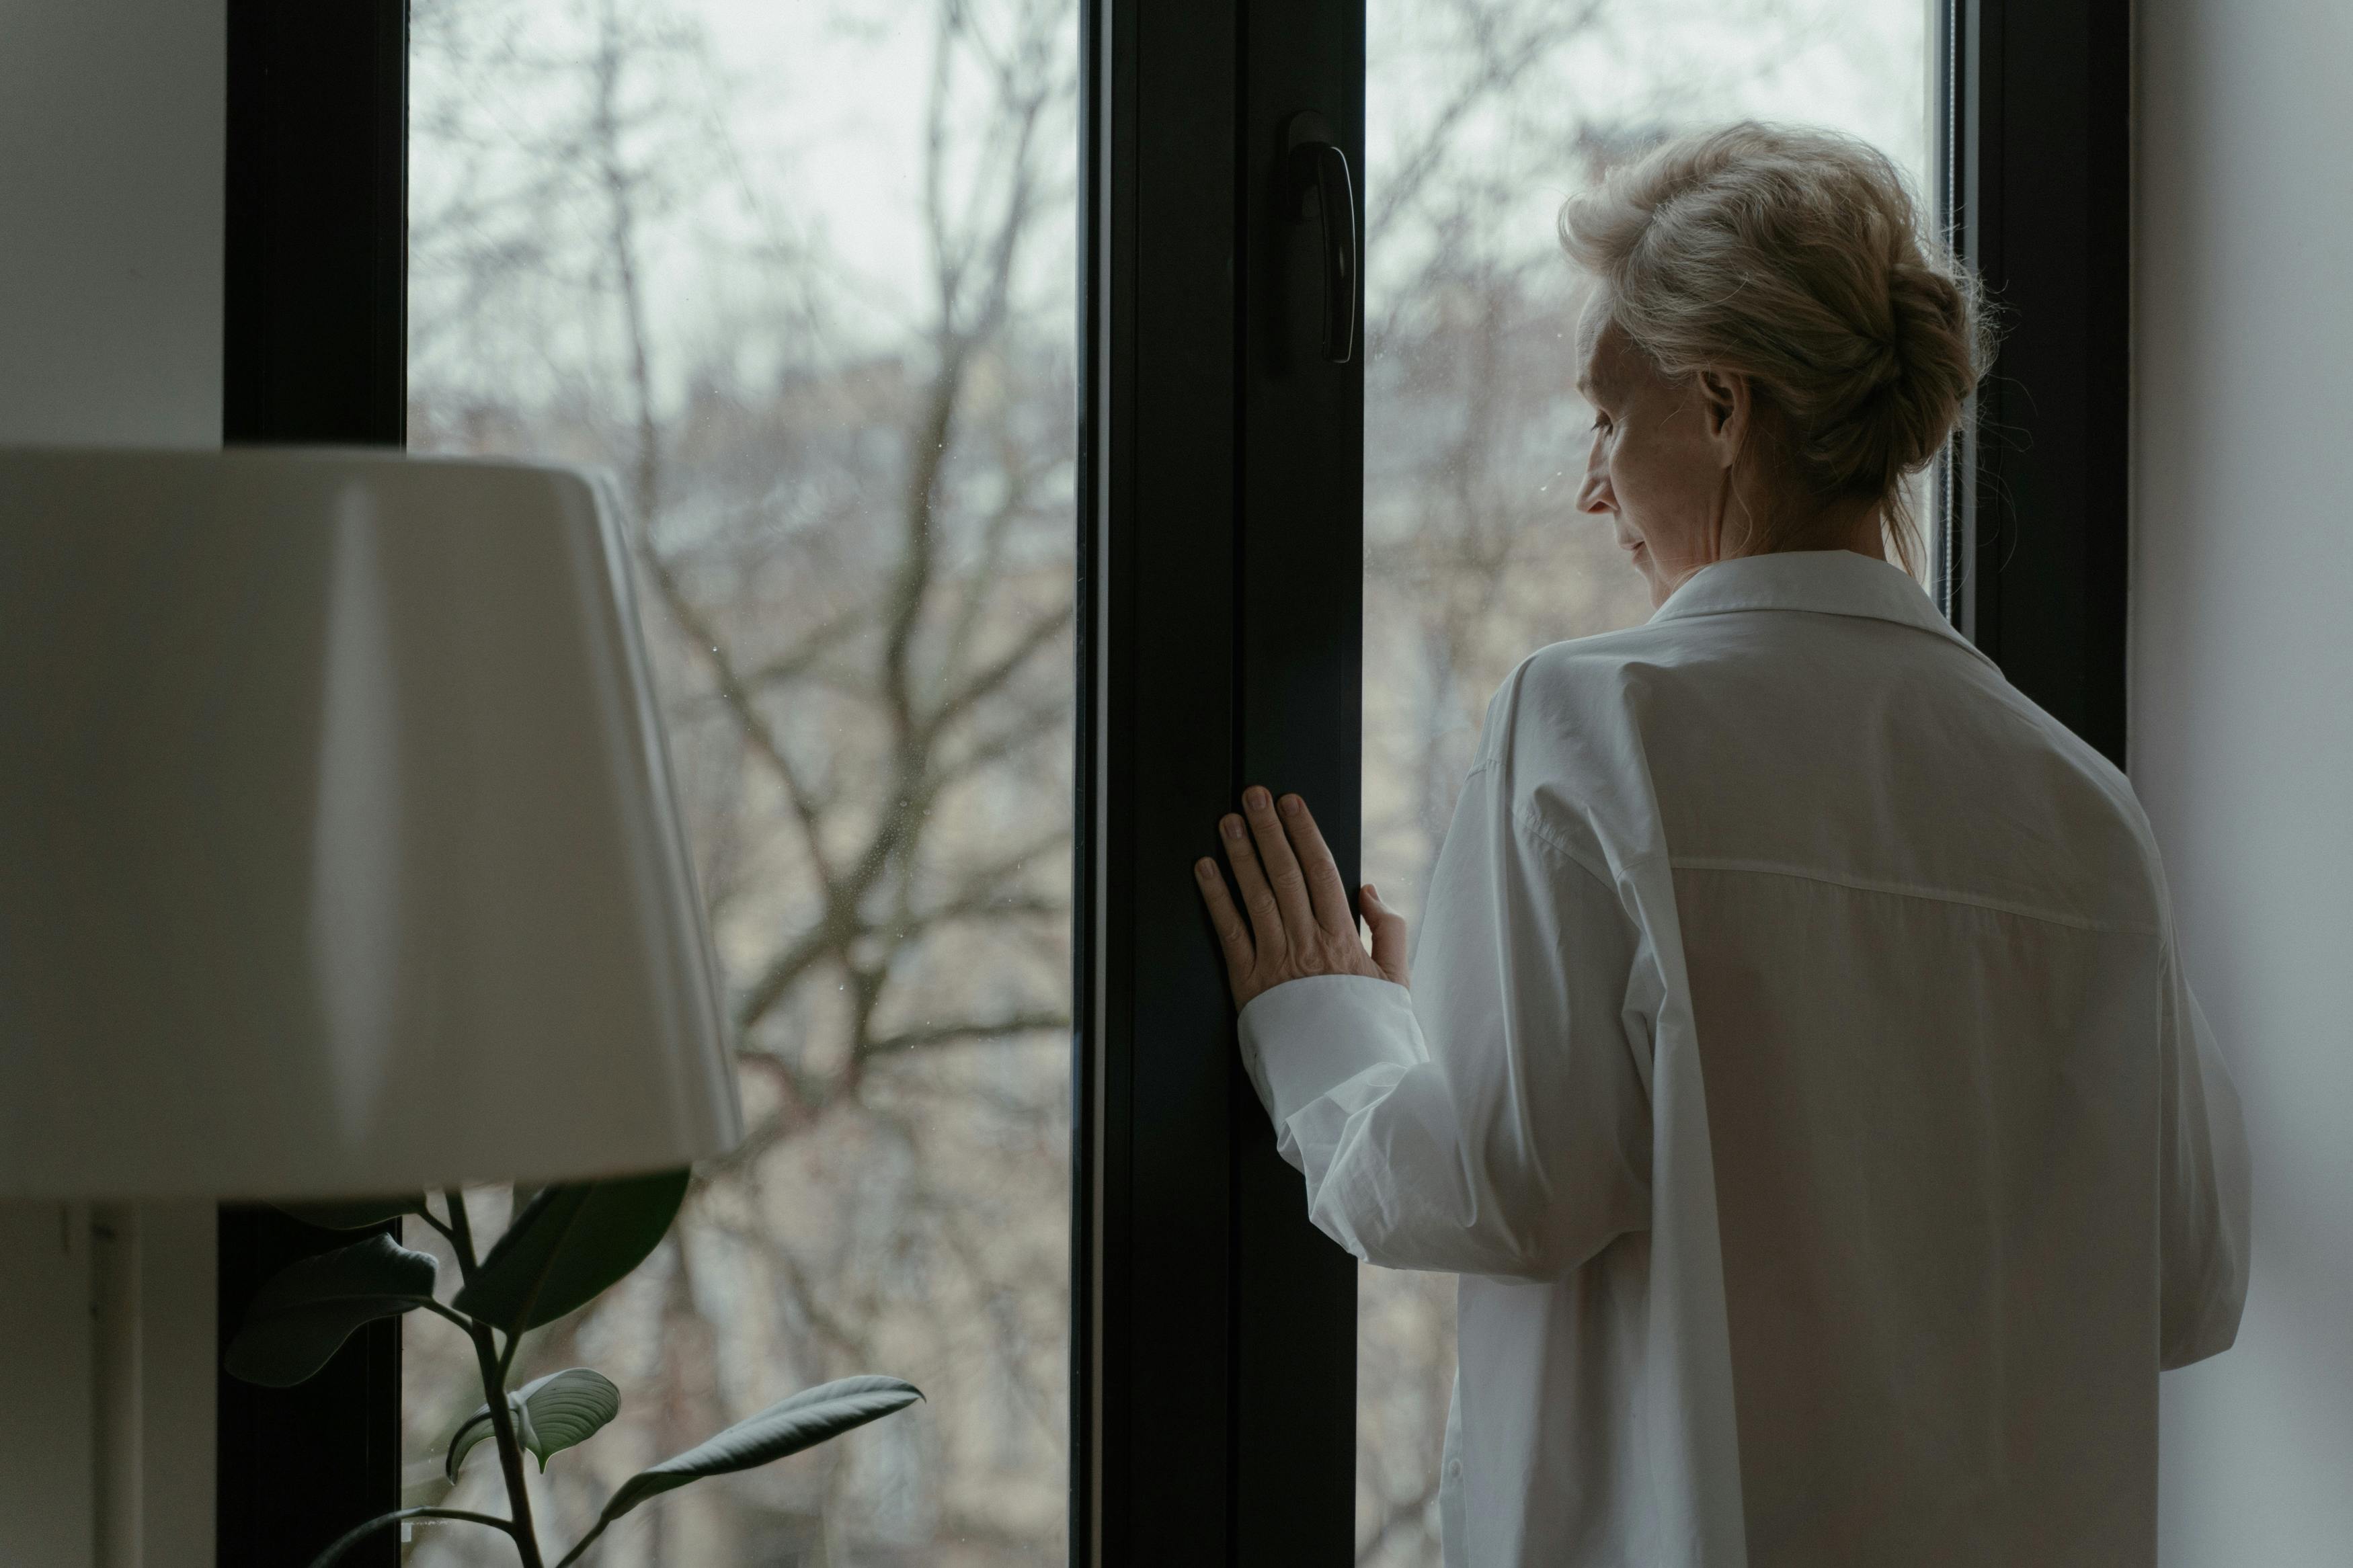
1387,926
1296,905
1282,872
1326,891
1233,935
1265,913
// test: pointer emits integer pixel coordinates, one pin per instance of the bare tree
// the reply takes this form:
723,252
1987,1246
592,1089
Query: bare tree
863,576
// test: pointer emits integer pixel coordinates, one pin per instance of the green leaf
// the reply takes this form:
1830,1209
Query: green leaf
358,1214
567,1408
477,1427
806,1419
302,1316
551,1414
569,1243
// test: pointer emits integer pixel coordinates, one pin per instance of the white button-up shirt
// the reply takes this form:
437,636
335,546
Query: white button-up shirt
1799,1074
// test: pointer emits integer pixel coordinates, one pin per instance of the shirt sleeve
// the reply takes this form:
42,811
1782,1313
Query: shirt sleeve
1495,1122
2204,1195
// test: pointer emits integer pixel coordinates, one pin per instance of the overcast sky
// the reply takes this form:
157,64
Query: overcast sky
830,93
822,100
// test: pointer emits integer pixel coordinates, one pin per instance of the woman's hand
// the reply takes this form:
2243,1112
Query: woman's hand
1299,923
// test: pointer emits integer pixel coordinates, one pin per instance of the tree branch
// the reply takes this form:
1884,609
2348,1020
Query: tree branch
933,1034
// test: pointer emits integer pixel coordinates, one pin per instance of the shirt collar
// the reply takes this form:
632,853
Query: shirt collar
1822,582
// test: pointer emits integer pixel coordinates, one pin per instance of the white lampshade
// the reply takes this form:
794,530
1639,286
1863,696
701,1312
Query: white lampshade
338,851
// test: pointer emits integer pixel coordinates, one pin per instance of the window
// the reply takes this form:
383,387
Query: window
1219,470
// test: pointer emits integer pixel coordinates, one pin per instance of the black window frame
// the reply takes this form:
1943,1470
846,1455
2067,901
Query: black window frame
2035,129
1212,1383
314,350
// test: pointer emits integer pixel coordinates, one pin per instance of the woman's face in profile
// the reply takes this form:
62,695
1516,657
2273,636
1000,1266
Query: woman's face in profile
1661,455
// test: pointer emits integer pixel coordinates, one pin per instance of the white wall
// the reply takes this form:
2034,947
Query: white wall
110,149
2243,713
110,159
47,1496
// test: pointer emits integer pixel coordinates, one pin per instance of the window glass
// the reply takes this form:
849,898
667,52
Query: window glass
1482,116
800,277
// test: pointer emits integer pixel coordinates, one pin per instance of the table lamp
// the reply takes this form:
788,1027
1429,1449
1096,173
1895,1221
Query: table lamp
339,853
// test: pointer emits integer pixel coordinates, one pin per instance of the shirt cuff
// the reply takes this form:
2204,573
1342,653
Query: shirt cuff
1306,1038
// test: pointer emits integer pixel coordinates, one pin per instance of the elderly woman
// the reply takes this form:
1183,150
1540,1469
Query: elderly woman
1798,1069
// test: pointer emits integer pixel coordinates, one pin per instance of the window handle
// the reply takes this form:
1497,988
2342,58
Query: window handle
1321,191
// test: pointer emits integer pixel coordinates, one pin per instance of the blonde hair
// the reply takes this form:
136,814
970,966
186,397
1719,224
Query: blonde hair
1798,259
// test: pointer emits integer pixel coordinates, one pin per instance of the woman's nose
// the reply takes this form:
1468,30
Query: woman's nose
1593,496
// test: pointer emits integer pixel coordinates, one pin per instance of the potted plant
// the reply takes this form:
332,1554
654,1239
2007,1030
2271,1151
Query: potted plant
567,1243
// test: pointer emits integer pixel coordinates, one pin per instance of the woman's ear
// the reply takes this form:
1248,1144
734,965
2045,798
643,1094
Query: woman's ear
1724,402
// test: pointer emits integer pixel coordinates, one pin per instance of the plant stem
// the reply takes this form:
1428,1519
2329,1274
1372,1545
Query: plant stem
584,1543
506,1356
430,1305
358,1533
494,1391
461,1234
494,1386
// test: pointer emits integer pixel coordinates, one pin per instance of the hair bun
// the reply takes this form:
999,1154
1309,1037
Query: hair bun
1937,344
